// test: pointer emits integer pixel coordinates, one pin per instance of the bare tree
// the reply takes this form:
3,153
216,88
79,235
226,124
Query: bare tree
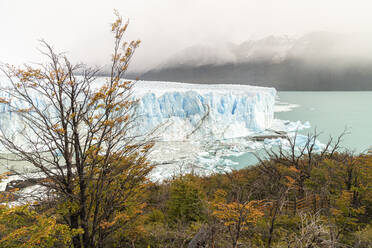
284,171
313,233
76,133
302,158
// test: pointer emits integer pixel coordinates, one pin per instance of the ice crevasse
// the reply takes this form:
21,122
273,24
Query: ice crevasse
180,111
196,111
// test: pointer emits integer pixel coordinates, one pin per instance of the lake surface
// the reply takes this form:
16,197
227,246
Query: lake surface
328,112
332,112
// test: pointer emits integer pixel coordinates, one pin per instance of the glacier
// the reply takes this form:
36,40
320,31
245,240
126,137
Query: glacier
198,128
196,112
180,111
208,128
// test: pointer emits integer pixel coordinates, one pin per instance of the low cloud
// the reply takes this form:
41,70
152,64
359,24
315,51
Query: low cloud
166,27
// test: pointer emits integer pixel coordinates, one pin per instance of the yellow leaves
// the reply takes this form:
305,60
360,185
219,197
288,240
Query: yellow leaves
123,217
27,110
30,77
116,78
93,151
291,181
108,100
4,175
118,28
27,228
117,22
90,120
128,52
57,129
125,104
70,97
293,169
116,57
122,119
28,74
290,174
118,217
4,100
346,196
100,106
104,96
109,123
235,213
14,190
110,91
124,28
98,116
47,180
52,75
6,197
123,59
344,209
136,43
336,212
219,196
131,147
98,96
147,147
72,116
55,126
114,25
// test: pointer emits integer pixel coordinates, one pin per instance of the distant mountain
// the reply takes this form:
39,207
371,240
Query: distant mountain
316,61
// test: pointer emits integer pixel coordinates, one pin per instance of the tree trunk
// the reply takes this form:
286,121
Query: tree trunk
75,225
199,239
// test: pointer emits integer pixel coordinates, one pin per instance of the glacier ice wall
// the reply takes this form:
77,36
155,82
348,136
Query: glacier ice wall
204,127
181,111
193,111
189,111
199,116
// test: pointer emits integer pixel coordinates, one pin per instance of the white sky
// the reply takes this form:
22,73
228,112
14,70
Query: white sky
82,27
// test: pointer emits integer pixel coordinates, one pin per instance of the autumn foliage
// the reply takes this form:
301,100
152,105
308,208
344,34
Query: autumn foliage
79,140
80,150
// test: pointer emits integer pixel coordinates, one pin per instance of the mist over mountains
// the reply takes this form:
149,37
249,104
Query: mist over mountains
316,61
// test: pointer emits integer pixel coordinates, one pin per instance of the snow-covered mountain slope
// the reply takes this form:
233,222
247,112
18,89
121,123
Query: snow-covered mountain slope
196,112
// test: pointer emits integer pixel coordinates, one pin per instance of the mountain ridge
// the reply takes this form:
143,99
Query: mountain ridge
315,62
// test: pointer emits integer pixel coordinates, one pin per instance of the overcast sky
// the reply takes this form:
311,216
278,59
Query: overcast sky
82,28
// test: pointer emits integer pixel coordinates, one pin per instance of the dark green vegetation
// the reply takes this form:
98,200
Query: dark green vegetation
94,182
293,199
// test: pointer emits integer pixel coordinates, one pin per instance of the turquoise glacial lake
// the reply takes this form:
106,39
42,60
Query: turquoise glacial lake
331,113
